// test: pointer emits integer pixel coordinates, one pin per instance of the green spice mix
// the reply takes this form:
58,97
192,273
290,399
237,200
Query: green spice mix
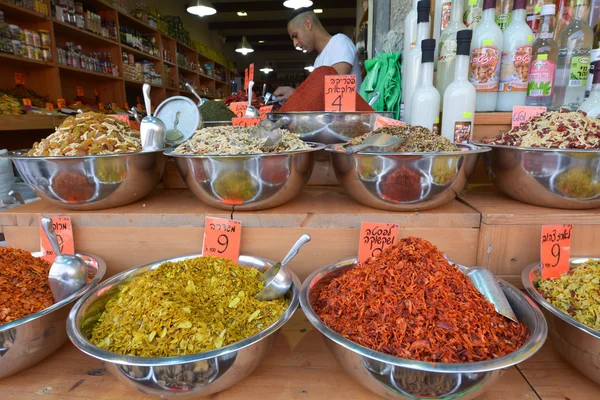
186,307
216,111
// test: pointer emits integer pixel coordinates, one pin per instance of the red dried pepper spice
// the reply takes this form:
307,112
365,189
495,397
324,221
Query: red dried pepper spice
310,95
412,303
24,285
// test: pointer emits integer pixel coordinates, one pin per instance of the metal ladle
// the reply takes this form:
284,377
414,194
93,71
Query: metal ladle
201,101
277,279
152,130
379,143
251,111
68,273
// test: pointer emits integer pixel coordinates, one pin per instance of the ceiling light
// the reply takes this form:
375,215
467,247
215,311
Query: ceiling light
267,69
242,14
261,41
202,8
305,51
310,68
244,47
318,11
295,4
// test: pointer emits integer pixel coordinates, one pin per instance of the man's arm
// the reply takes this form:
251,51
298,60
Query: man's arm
343,68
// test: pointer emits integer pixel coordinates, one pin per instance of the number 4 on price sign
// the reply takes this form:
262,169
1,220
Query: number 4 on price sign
556,250
222,238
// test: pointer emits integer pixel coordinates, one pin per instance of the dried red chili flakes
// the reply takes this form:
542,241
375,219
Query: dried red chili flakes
411,302
24,285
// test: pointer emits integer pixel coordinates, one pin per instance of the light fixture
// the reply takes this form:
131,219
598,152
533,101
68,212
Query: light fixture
318,11
299,48
295,4
310,68
202,8
242,14
244,47
261,41
267,69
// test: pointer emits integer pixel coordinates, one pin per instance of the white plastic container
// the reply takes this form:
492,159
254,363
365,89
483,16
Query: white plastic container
426,99
410,34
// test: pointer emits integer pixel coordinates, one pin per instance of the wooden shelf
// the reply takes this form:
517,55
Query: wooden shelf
139,53
221,82
80,36
186,70
132,22
84,72
13,11
206,77
132,83
11,59
29,121
170,63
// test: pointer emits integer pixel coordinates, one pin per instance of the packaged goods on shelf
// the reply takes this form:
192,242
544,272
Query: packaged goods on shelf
73,57
25,42
141,71
146,44
9,105
39,6
84,16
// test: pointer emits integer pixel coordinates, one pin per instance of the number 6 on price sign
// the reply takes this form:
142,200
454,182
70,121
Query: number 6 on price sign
222,238
556,250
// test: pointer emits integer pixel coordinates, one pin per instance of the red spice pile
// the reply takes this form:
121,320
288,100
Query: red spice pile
310,95
411,303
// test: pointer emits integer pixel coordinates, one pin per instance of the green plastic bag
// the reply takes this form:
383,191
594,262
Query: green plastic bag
384,76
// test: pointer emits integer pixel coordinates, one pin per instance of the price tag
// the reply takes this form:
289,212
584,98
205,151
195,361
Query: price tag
246,80
19,79
100,106
61,103
245,121
239,108
96,92
139,107
79,103
264,111
64,235
251,73
525,113
222,238
27,102
556,250
80,91
384,121
374,238
49,106
340,93
126,105
113,106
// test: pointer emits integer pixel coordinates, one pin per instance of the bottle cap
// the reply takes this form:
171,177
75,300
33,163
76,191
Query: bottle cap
487,4
521,4
548,9
463,39
427,50
423,8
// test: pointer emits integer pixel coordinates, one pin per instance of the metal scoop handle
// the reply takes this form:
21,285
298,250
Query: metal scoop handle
49,230
191,89
146,91
305,238
374,99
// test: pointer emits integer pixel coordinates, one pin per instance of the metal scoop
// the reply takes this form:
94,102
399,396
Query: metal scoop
277,279
200,99
379,143
152,130
68,273
270,132
251,111
374,98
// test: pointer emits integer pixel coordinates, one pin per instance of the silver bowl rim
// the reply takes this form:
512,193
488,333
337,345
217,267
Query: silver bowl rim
471,149
18,155
532,291
315,147
81,292
529,348
319,113
218,122
88,348
539,149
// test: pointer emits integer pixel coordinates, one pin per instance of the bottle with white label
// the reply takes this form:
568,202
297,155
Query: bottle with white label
574,46
543,65
413,60
446,61
592,104
426,99
459,99
410,34
441,19
486,48
517,44
473,13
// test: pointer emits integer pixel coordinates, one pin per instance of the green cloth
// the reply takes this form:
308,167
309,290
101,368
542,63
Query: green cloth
384,76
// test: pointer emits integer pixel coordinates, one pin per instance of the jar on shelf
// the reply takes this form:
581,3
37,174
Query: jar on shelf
28,37
37,41
31,52
44,38
47,54
15,32
18,49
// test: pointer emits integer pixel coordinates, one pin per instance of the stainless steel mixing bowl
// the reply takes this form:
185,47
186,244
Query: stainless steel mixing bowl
27,341
189,376
404,181
555,178
576,342
399,378
328,127
247,182
91,182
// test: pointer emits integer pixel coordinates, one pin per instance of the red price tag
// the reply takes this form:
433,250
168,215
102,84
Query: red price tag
384,121
79,103
556,250
64,234
61,103
522,114
340,93
113,106
246,80
49,106
27,102
264,111
239,108
374,238
245,121
100,106
19,79
251,73
126,105
222,238
80,91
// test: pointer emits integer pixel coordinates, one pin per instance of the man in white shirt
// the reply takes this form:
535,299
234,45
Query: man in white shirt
307,33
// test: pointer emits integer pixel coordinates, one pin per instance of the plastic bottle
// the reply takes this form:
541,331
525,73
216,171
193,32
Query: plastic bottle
517,43
504,16
543,65
410,34
473,13
426,99
459,99
486,49
441,19
592,104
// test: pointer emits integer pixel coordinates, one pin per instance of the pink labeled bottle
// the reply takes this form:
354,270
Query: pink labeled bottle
543,64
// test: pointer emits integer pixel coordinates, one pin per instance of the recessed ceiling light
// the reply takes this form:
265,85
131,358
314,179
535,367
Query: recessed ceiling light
295,4
310,68
318,11
261,41
242,14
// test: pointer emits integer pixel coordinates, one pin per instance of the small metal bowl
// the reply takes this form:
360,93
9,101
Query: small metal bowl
554,178
27,341
399,378
91,182
247,182
329,127
404,181
576,342
204,373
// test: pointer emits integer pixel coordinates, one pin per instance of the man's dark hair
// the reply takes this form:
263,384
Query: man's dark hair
297,12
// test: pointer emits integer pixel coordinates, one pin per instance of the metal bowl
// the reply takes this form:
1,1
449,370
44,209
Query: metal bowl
576,342
247,182
209,372
404,181
399,378
555,178
212,124
91,182
329,127
27,341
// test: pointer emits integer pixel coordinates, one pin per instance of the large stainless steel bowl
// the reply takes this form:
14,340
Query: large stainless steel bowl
399,378
189,376
212,124
91,182
247,182
555,178
404,181
29,340
328,127
576,342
